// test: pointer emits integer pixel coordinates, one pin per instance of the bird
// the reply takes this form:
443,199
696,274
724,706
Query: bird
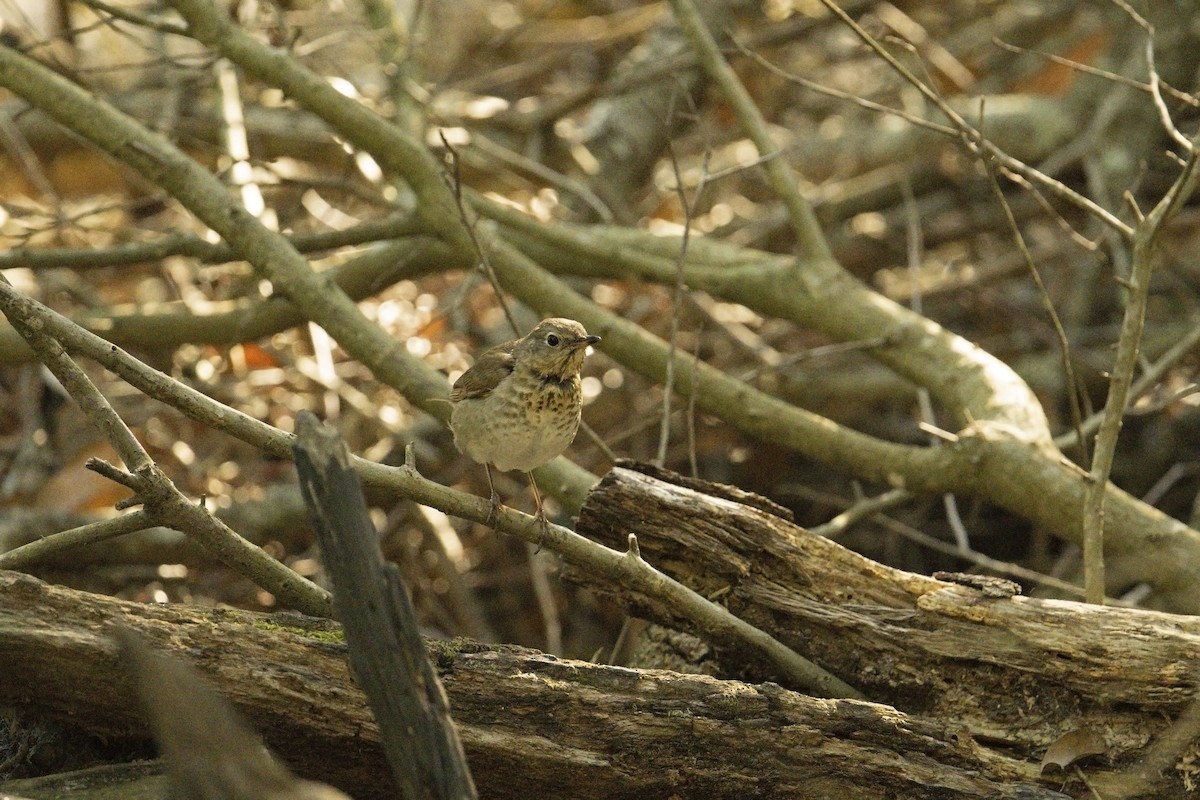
518,406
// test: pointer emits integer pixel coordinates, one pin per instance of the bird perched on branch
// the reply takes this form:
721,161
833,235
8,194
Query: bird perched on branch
518,406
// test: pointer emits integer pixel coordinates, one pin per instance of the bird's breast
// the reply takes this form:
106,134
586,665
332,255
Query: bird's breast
523,423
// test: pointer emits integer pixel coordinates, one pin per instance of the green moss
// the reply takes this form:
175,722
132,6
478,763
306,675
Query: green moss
326,635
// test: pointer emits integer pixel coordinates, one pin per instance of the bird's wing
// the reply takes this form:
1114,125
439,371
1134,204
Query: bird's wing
490,368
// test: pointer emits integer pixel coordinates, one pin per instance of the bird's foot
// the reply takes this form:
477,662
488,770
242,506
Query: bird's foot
493,517
544,528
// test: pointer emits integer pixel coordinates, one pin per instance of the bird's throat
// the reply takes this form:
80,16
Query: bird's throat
552,381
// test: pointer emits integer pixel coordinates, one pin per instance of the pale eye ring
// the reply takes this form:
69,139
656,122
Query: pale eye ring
552,339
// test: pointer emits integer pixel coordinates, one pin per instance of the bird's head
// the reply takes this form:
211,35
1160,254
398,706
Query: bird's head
555,348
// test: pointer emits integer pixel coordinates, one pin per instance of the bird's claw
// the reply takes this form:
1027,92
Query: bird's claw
493,517
544,525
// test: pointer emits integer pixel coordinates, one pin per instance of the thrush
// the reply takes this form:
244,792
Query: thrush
518,406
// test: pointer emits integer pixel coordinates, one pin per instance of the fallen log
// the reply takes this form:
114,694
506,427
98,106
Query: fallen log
531,724
973,683
1016,673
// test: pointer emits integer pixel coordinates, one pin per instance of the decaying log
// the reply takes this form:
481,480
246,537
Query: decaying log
532,725
1016,673
981,681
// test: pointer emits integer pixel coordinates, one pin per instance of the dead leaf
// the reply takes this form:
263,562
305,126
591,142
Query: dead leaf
1072,746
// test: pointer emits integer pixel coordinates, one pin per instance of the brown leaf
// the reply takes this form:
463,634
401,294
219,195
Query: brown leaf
1072,746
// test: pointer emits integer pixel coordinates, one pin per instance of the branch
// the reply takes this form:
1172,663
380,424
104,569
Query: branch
630,571
164,504
395,151
271,255
814,249
46,548
1125,362
185,244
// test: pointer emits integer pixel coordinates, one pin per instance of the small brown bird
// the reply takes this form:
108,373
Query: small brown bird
518,406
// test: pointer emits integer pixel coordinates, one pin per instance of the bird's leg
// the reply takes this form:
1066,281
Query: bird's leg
540,514
496,504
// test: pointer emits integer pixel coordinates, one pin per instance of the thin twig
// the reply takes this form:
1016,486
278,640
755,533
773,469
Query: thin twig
924,401
1053,213
75,382
849,97
524,164
485,264
1163,403
134,19
1164,113
861,511
690,412
547,603
1088,69
23,154
394,226
596,439
1126,360
871,508
689,209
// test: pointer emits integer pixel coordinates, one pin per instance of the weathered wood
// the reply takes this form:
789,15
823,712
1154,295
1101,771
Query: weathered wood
1017,673
370,600
532,725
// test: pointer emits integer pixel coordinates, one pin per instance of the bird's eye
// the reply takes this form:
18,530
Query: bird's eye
552,340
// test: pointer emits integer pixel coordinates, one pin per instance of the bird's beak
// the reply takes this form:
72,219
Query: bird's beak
588,341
